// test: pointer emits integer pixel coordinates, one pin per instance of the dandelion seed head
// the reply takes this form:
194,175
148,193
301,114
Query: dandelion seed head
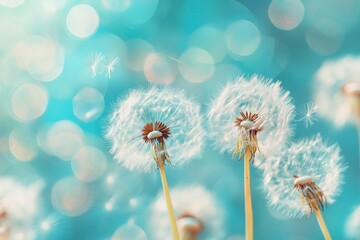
310,161
329,80
353,224
168,106
194,201
258,96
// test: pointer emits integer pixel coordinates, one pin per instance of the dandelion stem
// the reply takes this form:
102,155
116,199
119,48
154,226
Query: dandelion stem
248,203
168,202
187,235
358,129
322,224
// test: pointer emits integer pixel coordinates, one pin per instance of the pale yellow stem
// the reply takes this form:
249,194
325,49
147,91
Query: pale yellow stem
187,235
358,129
322,224
249,235
169,203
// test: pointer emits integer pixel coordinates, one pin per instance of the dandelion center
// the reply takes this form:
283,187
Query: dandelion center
3,220
249,124
155,134
351,89
310,193
190,224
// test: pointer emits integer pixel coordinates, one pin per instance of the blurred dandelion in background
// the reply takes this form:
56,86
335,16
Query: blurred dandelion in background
19,208
249,116
304,178
330,80
162,121
353,224
199,214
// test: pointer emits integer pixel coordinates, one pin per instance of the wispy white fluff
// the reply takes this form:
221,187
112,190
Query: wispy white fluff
21,203
257,95
309,157
353,225
329,79
167,105
309,114
195,200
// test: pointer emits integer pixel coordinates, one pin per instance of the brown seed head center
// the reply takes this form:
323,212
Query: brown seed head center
190,223
157,131
310,193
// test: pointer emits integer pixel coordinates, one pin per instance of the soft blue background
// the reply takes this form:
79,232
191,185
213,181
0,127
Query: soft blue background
168,31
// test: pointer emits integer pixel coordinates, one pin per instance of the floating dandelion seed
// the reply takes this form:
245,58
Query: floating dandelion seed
304,178
110,67
353,225
310,114
96,59
199,215
161,120
18,208
250,116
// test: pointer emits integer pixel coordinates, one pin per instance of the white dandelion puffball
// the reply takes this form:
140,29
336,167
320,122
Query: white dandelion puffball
258,96
193,200
353,225
329,80
310,158
168,106
19,203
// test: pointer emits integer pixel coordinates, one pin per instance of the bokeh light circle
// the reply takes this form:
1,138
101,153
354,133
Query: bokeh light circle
116,5
196,65
22,144
138,11
42,58
63,139
71,197
159,68
88,164
88,104
11,3
286,14
129,231
54,5
211,40
325,37
137,51
242,38
82,20
29,102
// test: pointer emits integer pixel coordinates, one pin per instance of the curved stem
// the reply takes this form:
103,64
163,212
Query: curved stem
169,203
322,224
249,235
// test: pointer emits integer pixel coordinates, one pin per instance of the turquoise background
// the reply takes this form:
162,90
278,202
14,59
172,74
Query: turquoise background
283,55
